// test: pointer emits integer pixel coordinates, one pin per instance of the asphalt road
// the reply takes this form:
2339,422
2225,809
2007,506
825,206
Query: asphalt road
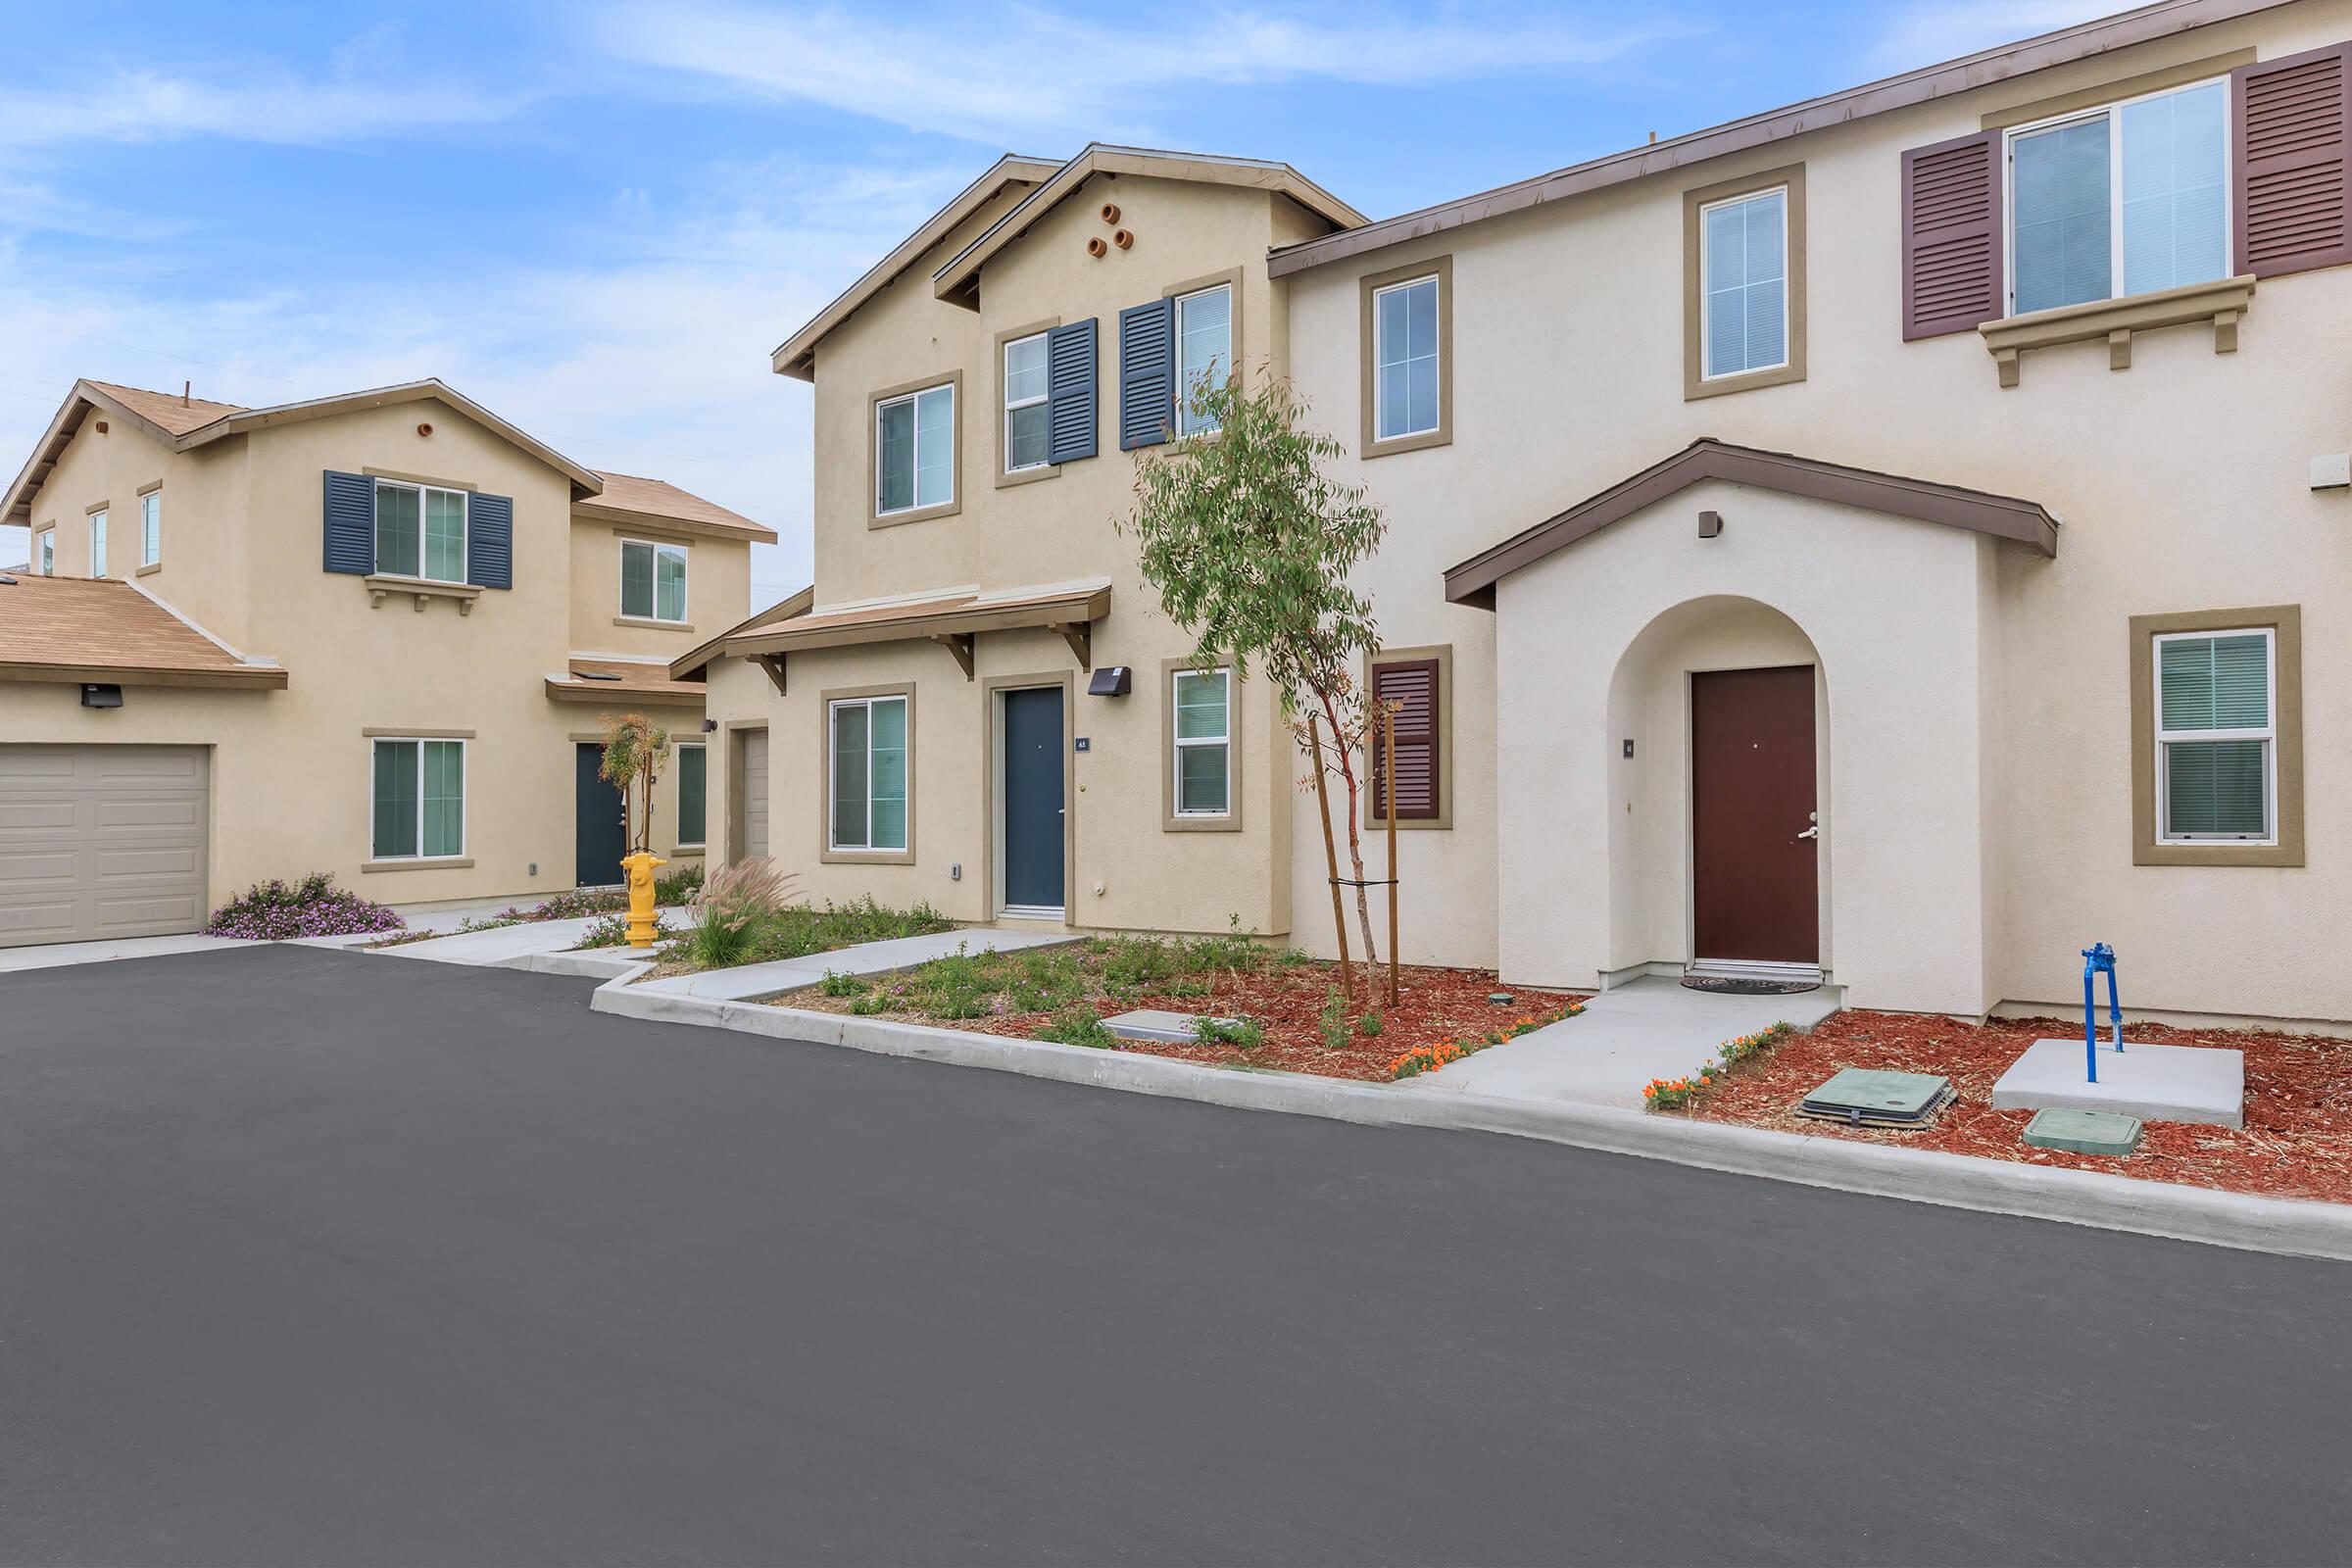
314,1258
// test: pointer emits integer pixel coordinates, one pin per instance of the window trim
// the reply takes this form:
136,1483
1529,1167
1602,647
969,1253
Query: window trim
1697,383
2109,108
2267,734
876,517
1006,474
376,544
826,701
98,516
1705,317
45,552
653,615
1376,811
1170,820
678,805
1176,294
2286,848
151,522
465,745
1369,288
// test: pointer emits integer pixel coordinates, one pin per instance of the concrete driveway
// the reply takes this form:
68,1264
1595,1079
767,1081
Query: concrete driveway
311,1256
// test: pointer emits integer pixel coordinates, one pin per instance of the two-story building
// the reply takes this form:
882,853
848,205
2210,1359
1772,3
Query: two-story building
370,634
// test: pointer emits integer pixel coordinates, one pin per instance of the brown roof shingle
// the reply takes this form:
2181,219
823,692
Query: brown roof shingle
658,497
100,628
619,682
167,409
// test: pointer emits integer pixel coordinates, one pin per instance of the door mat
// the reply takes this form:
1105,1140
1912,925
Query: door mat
1723,986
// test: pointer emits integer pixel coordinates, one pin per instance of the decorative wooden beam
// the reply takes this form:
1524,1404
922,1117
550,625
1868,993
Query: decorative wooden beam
773,665
1080,635
960,645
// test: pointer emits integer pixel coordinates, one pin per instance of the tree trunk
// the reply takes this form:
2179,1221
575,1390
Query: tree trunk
1355,842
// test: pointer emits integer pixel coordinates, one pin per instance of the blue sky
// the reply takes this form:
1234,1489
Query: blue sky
598,218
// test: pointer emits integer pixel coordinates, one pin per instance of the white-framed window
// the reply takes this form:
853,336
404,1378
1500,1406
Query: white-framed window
1202,703
1026,419
419,531
914,451
97,544
1204,349
866,779
2217,739
150,528
1743,283
45,552
1404,356
694,794
653,580
2125,199
417,799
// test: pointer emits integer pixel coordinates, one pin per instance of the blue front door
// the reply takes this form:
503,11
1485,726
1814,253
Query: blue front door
1033,801
600,831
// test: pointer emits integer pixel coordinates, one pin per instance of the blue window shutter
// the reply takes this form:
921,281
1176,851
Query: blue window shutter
1070,411
350,522
490,541
1147,373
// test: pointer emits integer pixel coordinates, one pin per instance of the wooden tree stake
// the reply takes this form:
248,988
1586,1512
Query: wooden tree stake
1331,859
1388,757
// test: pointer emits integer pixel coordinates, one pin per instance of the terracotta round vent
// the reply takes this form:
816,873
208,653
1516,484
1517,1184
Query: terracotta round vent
1111,212
1097,249
1122,239
424,429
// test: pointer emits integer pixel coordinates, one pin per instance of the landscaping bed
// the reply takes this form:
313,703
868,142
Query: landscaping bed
795,931
2296,1143
1286,1005
678,888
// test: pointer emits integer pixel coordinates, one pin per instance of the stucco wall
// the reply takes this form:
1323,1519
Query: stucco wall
2182,483
719,590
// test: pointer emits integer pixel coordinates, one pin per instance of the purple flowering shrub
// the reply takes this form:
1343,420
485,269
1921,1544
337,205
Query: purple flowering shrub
276,910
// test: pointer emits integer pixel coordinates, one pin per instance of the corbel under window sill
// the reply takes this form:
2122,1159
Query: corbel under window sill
2222,303
465,593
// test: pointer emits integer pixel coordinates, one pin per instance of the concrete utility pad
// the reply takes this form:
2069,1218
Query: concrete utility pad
2202,1084
2084,1132
1159,1024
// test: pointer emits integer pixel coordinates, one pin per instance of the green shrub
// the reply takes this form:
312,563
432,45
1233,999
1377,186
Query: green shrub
871,1003
680,886
1078,1025
837,984
1245,1034
1137,964
715,942
278,912
1333,1021
1369,1024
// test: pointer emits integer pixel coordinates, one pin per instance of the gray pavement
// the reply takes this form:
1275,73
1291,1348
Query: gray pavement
306,1257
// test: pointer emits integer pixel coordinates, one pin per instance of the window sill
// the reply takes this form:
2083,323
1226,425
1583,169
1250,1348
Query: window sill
867,858
1012,477
422,589
2217,852
456,862
2222,303
892,520
1374,823
653,624
1200,825
1742,381
149,569
1419,440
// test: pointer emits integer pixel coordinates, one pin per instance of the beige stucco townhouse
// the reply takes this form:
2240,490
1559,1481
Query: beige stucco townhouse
370,634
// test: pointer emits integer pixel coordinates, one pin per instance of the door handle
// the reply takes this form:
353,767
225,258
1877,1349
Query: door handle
1810,833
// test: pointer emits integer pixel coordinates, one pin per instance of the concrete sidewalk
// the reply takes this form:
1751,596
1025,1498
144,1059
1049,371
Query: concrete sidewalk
1652,1028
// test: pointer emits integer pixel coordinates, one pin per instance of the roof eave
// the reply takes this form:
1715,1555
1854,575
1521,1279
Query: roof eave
250,677
585,481
628,516
691,665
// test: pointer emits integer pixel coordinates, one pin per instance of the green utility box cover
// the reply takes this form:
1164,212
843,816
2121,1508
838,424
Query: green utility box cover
1876,1097
2084,1132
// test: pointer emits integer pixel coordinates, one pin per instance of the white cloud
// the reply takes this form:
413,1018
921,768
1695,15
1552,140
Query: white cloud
1916,35
253,102
978,75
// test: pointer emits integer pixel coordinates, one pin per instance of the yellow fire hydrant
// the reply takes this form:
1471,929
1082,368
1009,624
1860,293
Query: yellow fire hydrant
640,869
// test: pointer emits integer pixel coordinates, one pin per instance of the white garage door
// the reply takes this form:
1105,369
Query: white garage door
754,792
101,841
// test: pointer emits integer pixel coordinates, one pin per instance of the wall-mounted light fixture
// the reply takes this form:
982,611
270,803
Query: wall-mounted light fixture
1710,525
97,695
1111,680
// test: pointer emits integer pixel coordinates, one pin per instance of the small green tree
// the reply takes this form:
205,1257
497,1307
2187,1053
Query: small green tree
1249,543
636,750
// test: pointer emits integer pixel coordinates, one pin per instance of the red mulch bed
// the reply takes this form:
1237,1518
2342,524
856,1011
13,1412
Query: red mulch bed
1433,1006
2297,1141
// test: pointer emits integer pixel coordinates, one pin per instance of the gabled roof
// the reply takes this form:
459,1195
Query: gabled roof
795,354
690,666
958,279
627,498
74,629
176,416
2025,522
1928,82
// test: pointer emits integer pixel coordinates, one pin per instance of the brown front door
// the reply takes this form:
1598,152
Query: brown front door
1752,800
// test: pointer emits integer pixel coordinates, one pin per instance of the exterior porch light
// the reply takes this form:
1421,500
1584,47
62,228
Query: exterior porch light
1710,525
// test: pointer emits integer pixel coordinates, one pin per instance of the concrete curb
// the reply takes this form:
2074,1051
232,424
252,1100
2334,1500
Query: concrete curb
2289,1226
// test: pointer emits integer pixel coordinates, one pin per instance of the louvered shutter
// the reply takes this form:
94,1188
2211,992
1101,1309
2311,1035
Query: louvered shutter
1953,235
2291,148
490,541
350,523
1147,373
1413,685
1070,399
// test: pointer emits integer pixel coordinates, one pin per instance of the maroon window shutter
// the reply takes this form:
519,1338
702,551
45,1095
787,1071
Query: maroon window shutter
1413,685
1953,235
2291,162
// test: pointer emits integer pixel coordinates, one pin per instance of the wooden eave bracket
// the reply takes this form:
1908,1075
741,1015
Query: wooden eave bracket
959,644
1080,635
772,665
2223,302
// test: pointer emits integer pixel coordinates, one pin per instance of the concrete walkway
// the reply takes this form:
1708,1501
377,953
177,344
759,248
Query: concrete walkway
502,947
1650,1028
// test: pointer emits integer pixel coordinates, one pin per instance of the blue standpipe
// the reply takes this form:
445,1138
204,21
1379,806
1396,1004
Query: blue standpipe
2096,958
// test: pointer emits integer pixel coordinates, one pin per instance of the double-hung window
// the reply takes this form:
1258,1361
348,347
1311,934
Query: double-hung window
44,548
867,775
150,528
419,531
2125,199
1204,352
98,544
418,799
694,779
1743,258
653,580
2217,737
1026,416
1404,375
1203,760
914,451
